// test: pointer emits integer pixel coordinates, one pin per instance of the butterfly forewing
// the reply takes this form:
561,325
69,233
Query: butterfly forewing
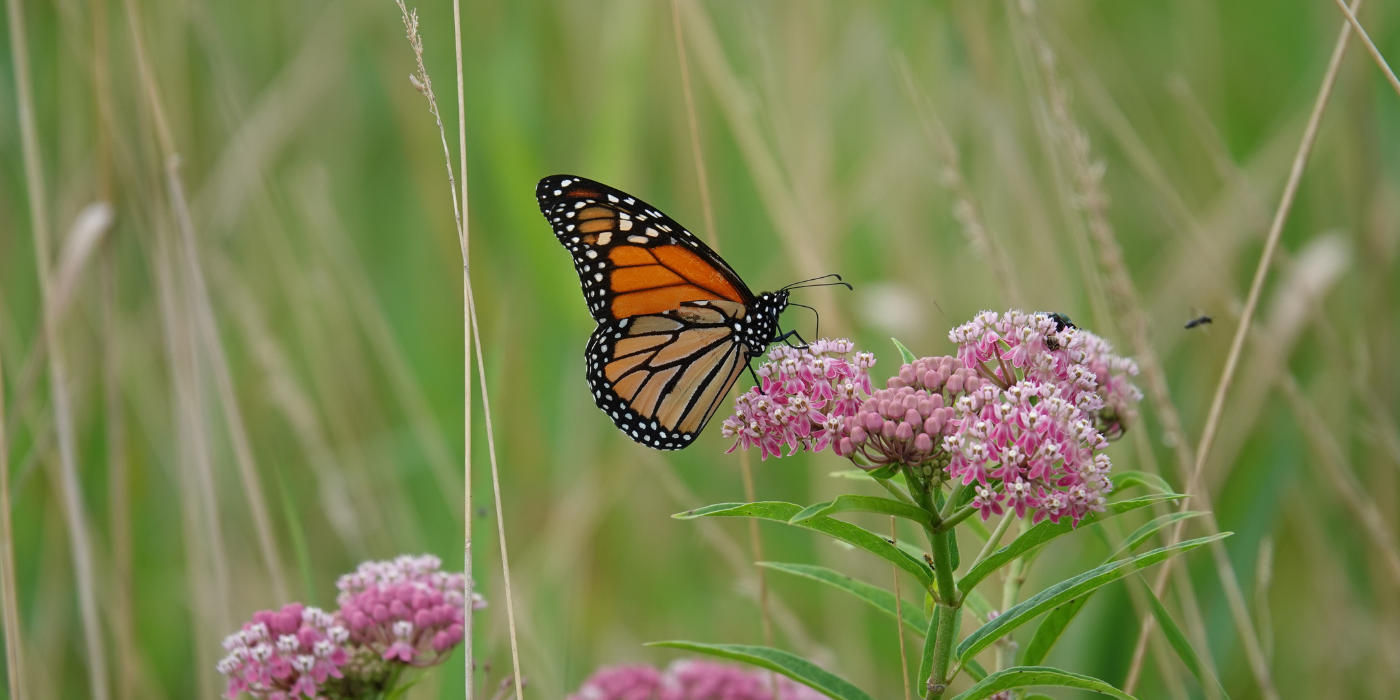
631,259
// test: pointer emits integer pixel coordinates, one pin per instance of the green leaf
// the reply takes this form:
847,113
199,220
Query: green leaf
978,604
975,670
1027,676
1046,531
1141,534
881,599
777,660
844,531
1067,590
1055,623
1050,630
1180,644
864,504
1123,480
904,352
930,638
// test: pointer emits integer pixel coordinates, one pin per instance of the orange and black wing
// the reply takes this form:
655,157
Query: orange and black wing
631,259
660,377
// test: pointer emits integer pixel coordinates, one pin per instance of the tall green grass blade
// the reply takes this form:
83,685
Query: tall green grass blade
864,504
1180,644
844,531
779,661
1046,531
1068,590
1027,676
879,598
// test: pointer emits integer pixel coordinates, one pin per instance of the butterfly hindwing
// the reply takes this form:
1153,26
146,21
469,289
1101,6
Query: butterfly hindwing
661,377
631,259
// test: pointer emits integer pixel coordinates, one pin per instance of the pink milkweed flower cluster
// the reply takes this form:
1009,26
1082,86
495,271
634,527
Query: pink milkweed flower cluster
688,679
285,653
1028,436
405,611
804,398
906,422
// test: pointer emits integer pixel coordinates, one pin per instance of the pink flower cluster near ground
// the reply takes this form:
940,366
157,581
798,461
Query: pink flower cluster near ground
404,611
689,679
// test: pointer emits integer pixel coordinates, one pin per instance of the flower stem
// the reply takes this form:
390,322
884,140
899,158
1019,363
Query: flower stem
895,490
950,606
946,593
393,679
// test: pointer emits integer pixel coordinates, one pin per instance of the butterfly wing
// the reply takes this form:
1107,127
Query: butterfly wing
631,259
660,377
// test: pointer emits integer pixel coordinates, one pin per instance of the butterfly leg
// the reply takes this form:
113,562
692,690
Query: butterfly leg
792,334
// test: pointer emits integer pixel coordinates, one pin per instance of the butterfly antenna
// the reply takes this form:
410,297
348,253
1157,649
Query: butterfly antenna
794,285
799,285
818,332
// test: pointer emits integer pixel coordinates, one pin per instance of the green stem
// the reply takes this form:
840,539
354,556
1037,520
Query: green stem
949,608
951,504
393,681
957,517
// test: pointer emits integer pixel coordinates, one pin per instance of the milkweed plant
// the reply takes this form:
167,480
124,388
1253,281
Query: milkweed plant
394,616
1015,425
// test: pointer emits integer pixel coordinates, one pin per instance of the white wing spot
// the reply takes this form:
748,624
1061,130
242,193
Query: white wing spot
566,183
637,239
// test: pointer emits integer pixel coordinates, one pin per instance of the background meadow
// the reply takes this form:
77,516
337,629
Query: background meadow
262,368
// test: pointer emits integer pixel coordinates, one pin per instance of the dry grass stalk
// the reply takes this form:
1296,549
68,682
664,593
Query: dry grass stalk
1087,174
424,84
496,492
9,595
1370,45
464,232
74,510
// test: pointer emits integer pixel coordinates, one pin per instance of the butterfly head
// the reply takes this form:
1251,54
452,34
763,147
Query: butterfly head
762,326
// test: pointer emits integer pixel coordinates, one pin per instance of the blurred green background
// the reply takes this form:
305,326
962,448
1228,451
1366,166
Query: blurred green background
304,330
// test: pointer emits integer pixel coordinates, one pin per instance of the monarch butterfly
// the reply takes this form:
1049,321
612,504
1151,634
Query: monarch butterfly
676,324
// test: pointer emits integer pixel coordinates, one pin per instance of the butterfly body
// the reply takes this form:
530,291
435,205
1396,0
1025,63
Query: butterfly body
676,325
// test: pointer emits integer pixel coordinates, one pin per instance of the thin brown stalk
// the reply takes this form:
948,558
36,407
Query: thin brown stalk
1212,424
496,491
1370,45
899,615
74,509
9,596
424,84
464,232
